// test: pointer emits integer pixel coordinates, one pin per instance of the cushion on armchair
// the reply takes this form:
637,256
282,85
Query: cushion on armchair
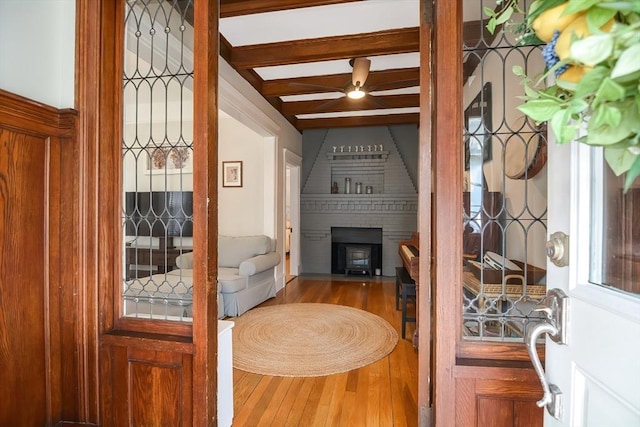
233,250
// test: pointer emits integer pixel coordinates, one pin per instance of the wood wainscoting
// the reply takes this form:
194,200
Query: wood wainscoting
41,338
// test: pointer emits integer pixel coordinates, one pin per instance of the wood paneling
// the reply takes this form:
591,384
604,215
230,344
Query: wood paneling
497,397
152,388
38,285
23,285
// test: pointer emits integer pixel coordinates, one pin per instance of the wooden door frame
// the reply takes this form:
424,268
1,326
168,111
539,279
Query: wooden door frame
205,198
99,122
462,371
425,305
447,158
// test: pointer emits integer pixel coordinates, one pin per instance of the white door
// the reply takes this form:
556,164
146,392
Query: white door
598,369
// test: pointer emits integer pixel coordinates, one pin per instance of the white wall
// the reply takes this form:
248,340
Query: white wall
46,30
242,102
37,50
240,209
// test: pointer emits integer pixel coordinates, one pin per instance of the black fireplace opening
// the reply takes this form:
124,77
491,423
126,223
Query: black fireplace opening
356,250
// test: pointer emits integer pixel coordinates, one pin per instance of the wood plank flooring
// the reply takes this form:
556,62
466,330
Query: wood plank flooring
383,394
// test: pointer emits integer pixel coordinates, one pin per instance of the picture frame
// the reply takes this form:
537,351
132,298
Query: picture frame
167,160
232,173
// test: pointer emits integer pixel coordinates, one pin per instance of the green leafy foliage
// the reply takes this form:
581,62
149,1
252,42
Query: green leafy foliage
606,100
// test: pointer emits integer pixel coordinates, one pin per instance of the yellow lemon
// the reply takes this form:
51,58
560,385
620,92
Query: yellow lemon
552,19
578,29
574,73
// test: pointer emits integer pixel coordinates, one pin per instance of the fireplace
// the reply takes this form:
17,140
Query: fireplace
358,259
356,250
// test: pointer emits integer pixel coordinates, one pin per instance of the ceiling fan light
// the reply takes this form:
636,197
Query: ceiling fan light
356,93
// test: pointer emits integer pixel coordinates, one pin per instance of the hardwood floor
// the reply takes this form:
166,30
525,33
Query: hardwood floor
382,394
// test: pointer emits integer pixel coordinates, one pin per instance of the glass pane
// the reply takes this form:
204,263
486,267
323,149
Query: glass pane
505,185
157,160
615,260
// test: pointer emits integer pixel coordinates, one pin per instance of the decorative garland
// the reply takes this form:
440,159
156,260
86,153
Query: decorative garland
593,50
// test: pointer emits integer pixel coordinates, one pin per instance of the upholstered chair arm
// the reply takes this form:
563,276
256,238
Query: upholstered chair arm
259,263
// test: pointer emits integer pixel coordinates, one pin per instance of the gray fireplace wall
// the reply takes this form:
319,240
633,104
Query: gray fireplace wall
387,160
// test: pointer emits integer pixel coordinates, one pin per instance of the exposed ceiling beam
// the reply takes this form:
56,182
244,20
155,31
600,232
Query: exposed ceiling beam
326,48
377,80
346,104
229,8
339,122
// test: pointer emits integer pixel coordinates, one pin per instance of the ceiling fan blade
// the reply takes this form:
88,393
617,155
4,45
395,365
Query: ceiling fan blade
329,104
398,84
317,87
360,71
378,102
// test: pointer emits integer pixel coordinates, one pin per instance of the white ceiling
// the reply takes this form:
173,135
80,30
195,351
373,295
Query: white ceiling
324,21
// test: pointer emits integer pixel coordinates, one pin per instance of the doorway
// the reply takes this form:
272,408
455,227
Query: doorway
293,164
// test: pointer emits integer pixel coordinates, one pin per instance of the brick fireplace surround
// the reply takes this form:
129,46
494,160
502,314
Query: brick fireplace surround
392,205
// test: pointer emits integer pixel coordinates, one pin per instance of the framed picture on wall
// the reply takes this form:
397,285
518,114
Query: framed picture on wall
232,174
168,160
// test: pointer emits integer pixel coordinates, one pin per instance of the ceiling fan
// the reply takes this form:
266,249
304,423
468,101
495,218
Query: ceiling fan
356,88
358,78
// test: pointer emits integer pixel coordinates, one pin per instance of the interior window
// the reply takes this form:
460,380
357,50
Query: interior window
157,160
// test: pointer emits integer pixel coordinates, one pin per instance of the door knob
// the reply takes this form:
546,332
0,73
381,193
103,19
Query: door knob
558,249
554,306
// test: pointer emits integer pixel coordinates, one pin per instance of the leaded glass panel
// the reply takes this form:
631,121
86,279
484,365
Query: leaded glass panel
157,159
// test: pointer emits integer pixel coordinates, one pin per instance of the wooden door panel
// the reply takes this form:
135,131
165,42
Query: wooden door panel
495,412
485,398
23,342
147,387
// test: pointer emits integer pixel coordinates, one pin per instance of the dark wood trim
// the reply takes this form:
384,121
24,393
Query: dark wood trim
369,102
35,118
447,87
229,8
205,212
380,120
496,351
426,336
377,80
86,100
326,48
153,342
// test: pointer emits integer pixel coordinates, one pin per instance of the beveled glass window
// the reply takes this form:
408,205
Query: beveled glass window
157,159
505,185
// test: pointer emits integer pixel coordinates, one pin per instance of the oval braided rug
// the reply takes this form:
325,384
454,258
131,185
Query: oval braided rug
309,339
